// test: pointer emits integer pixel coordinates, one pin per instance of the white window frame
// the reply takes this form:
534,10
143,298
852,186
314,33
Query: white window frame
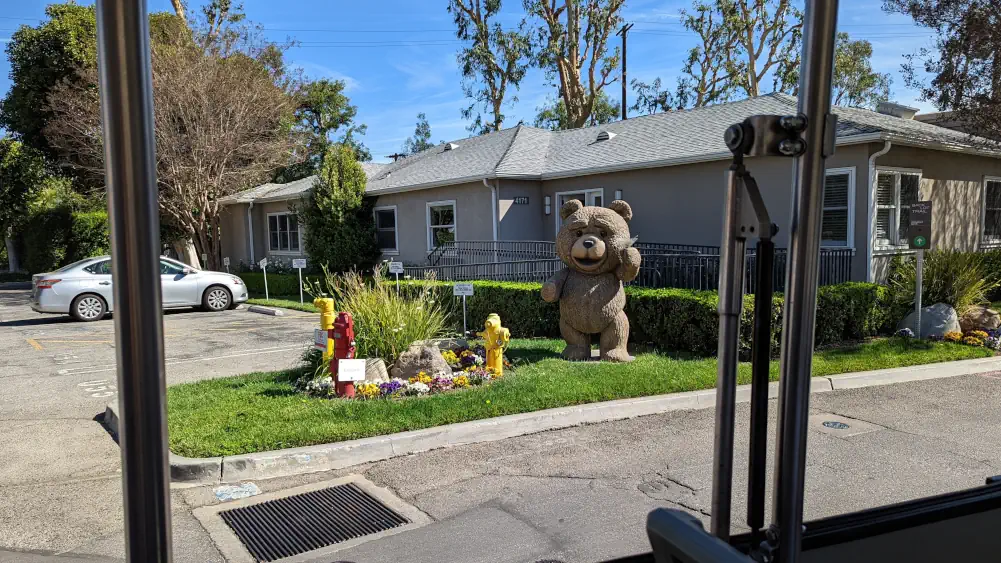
587,193
395,251
850,232
896,242
984,241
298,233
427,220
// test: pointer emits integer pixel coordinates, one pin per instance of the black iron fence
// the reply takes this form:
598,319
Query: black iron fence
664,265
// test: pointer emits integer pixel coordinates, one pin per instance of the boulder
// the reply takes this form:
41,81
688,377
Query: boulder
375,369
936,320
420,358
980,318
443,343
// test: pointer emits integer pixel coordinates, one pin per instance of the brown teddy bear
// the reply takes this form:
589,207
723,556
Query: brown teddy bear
594,243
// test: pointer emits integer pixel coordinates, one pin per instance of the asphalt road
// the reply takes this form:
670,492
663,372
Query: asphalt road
574,495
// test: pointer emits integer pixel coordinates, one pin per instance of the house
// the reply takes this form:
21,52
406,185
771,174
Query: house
509,185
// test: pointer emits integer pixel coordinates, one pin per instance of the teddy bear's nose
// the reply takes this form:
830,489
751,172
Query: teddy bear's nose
588,243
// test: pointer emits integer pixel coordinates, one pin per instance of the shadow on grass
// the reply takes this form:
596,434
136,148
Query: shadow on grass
523,356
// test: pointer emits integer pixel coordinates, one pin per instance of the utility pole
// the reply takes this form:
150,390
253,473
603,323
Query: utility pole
625,29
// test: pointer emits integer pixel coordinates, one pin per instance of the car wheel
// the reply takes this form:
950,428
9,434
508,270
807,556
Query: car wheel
88,307
216,298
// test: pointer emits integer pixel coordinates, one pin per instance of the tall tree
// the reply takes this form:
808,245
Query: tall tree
710,72
223,124
855,83
22,171
571,45
421,141
651,99
495,61
340,230
41,58
767,32
965,65
553,115
323,111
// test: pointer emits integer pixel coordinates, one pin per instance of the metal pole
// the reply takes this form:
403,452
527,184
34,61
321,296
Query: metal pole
820,21
731,298
130,173
625,29
300,284
464,331
264,269
917,292
760,360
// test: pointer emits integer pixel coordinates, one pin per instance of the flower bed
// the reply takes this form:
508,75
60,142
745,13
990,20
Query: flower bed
467,371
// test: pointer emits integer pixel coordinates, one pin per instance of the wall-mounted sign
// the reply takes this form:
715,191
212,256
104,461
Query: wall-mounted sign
521,200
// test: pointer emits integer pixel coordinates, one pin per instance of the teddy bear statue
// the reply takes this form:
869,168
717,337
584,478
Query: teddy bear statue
595,245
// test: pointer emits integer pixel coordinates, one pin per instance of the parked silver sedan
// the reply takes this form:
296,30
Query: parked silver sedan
84,289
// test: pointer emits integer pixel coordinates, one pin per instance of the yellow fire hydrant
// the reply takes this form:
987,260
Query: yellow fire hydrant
326,307
495,339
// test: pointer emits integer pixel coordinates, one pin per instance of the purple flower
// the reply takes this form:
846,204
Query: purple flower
391,387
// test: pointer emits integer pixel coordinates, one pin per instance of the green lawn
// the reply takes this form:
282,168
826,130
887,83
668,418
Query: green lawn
261,411
285,303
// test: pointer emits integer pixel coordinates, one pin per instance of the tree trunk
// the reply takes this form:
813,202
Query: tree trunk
12,263
186,252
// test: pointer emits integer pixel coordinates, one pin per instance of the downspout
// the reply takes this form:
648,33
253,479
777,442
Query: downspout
871,199
250,227
493,205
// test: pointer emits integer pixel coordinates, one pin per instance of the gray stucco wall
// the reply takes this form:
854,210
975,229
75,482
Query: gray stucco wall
684,204
235,244
520,221
472,215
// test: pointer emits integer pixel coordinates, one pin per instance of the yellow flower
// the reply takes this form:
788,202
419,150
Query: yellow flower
977,334
973,341
368,390
460,382
450,357
953,336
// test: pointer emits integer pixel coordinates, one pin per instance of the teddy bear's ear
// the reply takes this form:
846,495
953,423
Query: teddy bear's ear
622,208
570,207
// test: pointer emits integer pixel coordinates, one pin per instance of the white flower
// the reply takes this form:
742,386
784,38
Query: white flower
417,388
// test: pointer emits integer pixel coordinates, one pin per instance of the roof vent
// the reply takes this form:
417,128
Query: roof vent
605,135
450,147
896,110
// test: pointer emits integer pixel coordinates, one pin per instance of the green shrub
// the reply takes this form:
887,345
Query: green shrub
45,235
387,321
278,284
991,268
88,236
959,279
678,320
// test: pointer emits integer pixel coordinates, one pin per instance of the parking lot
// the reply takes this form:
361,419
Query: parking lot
60,486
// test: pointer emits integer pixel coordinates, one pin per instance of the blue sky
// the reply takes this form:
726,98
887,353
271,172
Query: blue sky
398,56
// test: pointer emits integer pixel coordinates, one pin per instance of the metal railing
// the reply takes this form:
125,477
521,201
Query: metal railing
664,265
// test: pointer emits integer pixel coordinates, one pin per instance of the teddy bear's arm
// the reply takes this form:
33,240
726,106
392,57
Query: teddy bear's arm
629,264
553,288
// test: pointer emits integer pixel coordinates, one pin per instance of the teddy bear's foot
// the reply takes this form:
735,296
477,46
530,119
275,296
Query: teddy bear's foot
617,355
576,353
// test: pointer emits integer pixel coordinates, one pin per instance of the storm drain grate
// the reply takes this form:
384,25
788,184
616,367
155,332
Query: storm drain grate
299,523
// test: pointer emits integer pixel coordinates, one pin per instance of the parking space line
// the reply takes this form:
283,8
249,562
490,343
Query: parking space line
34,343
170,362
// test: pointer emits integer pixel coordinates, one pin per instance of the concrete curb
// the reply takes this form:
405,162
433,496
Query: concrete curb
15,285
266,311
325,457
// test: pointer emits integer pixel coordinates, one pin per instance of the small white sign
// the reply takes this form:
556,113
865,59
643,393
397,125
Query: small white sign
462,289
205,258
320,338
263,263
396,267
351,370
299,263
225,261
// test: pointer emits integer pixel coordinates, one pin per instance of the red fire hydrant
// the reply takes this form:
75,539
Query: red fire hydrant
344,349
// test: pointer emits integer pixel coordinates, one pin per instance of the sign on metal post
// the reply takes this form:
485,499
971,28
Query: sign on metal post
464,289
264,268
396,268
350,370
205,259
299,264
225,262
919,238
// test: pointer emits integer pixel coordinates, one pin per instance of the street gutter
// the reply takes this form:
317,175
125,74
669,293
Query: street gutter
326,457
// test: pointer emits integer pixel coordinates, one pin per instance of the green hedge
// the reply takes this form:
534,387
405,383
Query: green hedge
278,284
56,237
683,320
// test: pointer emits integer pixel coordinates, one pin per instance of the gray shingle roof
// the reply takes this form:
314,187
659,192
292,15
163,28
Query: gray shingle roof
291,190
663,139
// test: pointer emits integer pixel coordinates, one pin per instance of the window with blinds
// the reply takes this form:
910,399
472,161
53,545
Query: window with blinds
895,192
835,227
992,210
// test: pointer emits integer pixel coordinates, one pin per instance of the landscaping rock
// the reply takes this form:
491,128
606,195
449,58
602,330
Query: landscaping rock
375,369
420,358
443,343
980,318
936,320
